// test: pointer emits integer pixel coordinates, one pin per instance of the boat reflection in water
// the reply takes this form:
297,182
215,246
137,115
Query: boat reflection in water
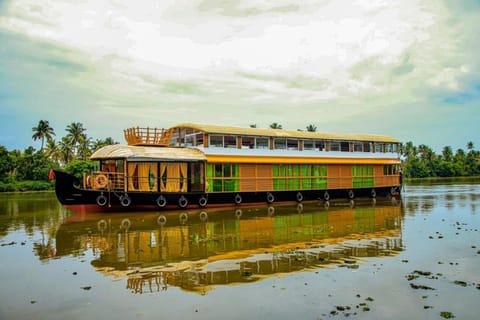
195,250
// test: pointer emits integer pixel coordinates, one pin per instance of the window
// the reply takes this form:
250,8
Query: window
190,140
358,147
334,146
362,176
216,141
199,139
230,141
367,146
280,143
344,146
308,145
222,177
248,142
395,147
320,145
292,144
390,169
261,143
378,147
299,177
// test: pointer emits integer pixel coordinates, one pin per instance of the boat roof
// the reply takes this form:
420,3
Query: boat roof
233,130
145,153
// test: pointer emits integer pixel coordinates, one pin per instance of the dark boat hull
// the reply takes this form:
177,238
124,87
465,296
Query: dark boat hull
69,191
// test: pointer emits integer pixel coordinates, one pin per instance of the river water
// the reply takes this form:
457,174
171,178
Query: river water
412,258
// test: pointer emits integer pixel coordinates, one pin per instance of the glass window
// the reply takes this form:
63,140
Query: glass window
261,143
320,145
308,145
378,147
344,146
230,141
199,139
280,143
395,147
367,146
292,144
248,142
190,140
358,146
334,146
216,141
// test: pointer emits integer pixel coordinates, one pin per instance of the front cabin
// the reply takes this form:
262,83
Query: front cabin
200,164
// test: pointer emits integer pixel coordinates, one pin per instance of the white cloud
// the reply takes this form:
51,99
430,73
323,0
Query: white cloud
335,60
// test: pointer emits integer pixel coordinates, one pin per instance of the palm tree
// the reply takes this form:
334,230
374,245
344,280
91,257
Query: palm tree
52,151
409,150
75,134
42,131
276,126
470,146
311,128
99,143
66,151
447,153
84,150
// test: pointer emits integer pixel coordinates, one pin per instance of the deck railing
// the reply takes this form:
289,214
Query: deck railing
137,136
100,180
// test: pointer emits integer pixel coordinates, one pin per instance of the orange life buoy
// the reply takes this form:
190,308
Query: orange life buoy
101,181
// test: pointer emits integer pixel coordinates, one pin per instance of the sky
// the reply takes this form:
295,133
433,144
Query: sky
409,69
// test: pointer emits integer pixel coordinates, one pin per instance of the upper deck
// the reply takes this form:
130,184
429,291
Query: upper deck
259,142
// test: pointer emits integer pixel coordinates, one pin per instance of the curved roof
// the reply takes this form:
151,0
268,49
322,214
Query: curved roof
286,133
143,153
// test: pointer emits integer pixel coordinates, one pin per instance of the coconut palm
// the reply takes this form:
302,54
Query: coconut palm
42,131
84,147
52,150
311,128
99,143
447,153
75,134
66,150
276,126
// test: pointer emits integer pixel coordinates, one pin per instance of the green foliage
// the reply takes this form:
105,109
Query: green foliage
34,166
422,162
16,186
6,164
78,167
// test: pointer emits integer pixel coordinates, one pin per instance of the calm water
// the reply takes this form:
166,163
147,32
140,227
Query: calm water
412,258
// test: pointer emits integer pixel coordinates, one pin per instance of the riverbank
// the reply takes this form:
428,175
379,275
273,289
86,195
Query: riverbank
26,186
436,180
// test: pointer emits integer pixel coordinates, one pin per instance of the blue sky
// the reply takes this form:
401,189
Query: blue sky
405,68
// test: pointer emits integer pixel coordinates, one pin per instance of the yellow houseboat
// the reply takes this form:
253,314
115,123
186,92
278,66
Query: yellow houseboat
203,165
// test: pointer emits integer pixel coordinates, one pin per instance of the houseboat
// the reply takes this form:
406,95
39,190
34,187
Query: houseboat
205,165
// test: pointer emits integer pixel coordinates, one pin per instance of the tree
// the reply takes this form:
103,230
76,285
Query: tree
409,150
66,150
84,149
311,128
75,134
99,143
253,126
447,153
6,164
52,151
470,146
79,167
42,131
276,126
